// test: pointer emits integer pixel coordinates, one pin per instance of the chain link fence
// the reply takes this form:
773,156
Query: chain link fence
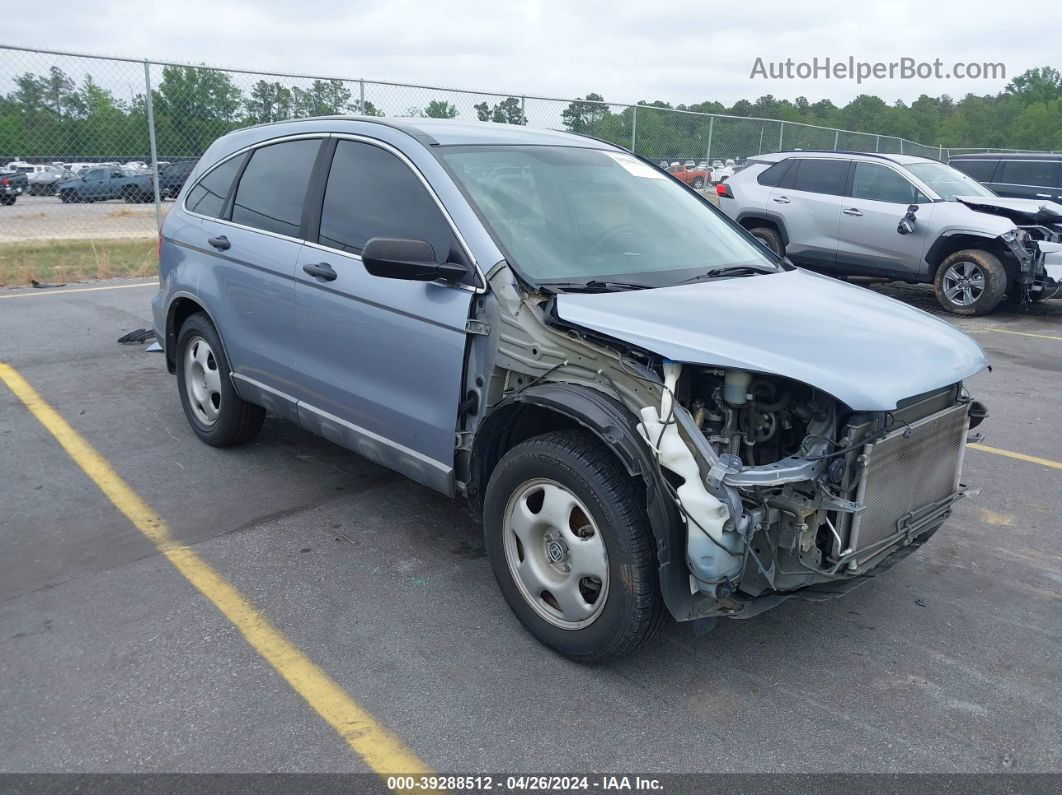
104,143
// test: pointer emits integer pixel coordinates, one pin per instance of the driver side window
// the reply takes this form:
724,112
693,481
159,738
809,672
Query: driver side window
882,184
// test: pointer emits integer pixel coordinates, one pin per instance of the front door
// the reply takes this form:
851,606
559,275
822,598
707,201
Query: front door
868,240
381,360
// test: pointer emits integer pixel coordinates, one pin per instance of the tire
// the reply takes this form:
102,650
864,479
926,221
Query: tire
698,182
7,201
216,413
769,238
131,195
617,606
66,196
970,282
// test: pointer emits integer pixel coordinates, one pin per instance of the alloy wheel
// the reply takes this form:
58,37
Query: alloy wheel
202,380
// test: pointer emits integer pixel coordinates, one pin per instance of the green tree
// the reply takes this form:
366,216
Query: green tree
440,109
268,102
584,115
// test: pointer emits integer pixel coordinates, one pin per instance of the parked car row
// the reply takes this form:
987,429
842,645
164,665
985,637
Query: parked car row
1019,175
91,182
904,218
698,174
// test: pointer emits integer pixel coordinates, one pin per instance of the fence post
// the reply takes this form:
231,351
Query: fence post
901,146
759,149
711,131
836,139
781,131
151,141
940,153
361,97
523,111
877,143
634,127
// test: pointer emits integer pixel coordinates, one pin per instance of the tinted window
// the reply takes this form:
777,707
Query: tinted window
773,175
981,170
209,195
371,193
882,184
273,186
821,176
96,173
1028,172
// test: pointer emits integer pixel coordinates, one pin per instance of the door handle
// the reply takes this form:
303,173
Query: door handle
320,269
781,199
221,243
851,211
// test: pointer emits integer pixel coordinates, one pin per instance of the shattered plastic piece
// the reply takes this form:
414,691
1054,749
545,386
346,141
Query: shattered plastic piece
44,285
141,335
153,348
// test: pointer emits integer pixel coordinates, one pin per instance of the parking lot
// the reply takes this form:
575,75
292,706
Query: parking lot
47,218
310,611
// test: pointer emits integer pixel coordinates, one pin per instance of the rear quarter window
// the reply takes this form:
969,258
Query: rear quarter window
773,176
210,193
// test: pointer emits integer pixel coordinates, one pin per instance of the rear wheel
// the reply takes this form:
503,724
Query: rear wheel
216,413
67,196
970,282
7,201
568,540
769,238
698,182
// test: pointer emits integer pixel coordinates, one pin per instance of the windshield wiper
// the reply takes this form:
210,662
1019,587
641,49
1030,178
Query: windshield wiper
727,270
595,286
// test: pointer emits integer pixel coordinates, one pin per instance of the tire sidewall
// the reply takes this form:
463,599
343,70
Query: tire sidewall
770,239
527,462
199,326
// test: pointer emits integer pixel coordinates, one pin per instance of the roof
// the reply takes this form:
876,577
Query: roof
450,132
1008,156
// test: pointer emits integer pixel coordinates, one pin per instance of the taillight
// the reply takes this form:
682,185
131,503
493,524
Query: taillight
5,181
722,189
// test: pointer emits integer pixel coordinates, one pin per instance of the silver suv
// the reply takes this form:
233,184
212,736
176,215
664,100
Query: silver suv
898,217
651,413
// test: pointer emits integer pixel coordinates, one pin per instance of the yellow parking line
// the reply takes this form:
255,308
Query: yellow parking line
1021,333
37,293
1032,459
380,749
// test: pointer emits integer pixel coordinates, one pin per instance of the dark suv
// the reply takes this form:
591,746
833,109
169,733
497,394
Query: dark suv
1019,175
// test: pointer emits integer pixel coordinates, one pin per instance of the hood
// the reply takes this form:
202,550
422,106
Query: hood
1020,211
866,350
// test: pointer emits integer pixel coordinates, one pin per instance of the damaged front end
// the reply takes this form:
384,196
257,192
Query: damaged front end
760,486
783,487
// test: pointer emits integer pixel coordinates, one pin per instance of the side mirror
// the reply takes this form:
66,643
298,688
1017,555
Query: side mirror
907,223
412,260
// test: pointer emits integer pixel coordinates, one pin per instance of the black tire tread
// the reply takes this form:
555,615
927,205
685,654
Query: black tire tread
773,239
995,286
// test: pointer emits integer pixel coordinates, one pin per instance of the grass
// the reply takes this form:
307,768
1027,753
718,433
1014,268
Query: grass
55,261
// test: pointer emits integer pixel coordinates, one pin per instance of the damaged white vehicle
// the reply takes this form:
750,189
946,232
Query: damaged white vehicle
652,413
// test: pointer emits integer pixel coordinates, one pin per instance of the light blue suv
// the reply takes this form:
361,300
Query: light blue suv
652,413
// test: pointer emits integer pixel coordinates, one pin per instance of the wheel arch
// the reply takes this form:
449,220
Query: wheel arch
752,219
950,243
182,306
554,406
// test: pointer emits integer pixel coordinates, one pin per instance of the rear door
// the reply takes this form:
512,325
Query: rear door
251,234
94,183
868,240
809,201
1028,179
381,359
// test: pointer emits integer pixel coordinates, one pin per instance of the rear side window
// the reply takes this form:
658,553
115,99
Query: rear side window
1028,172
273,186
882,184
209,195
773,176
981,170
821,176
371,193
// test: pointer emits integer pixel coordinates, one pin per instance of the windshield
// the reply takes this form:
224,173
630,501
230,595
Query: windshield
566,214
948,182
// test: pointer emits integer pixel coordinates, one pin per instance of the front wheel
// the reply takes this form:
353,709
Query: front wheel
568,539
216,413
970,282
7,201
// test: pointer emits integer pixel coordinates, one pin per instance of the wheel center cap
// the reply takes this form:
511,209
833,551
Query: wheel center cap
556,551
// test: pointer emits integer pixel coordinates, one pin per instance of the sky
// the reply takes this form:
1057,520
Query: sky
679,52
